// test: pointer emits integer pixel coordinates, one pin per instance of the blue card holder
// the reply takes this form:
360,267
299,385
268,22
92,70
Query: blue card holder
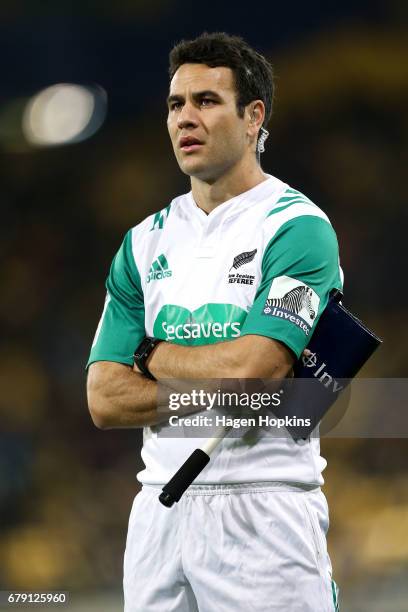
341,344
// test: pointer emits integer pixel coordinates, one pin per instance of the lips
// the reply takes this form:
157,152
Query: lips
189,143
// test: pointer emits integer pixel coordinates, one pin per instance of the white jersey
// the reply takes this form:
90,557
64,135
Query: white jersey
192,278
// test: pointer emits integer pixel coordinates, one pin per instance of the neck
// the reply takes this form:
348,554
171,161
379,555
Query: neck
237,180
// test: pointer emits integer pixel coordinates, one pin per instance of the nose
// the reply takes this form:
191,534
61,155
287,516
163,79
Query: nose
187,117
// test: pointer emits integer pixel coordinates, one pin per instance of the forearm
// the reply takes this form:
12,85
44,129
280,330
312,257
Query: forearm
184,362
119,397
231,359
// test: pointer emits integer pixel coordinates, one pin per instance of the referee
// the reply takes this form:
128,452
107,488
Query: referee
226,281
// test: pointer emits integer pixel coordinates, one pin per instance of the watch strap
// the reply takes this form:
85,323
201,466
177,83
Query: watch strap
143,352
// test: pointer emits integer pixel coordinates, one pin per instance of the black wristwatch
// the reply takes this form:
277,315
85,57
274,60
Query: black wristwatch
142,353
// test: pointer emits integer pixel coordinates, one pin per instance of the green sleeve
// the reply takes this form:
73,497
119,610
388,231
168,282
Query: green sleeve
122,325
300,267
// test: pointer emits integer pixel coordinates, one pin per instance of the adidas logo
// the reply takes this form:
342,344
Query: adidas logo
159,269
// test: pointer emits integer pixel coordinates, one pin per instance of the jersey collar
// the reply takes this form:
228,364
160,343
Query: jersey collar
237,204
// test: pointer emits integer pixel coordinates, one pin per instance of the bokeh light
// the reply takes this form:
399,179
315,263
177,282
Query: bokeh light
64,113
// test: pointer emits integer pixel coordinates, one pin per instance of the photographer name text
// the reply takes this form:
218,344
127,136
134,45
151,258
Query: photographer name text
200,420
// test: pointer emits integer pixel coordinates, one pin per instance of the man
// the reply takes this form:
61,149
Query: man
203,275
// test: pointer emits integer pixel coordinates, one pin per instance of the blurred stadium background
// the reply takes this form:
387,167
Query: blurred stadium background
83,162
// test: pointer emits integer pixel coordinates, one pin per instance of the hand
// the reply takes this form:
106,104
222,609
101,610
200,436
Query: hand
306,353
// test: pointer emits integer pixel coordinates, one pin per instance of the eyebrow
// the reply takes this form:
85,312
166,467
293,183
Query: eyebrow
196,96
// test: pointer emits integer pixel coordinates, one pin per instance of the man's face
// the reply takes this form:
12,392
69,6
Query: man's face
207,134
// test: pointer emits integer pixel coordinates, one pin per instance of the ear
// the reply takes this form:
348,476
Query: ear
256,116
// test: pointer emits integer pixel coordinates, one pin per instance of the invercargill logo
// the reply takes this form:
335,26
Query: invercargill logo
159,269
241,260
289,297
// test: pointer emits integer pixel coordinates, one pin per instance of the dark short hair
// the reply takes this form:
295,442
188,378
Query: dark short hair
253,74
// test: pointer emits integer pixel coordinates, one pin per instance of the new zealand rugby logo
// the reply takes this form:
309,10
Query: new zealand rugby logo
241,260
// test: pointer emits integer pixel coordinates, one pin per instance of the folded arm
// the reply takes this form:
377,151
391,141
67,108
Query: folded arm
246,357
303,253
119,397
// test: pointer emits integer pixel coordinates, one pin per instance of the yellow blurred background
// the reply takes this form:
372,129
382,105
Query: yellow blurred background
338,133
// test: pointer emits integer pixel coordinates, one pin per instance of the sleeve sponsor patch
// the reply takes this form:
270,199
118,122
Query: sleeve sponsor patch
291,300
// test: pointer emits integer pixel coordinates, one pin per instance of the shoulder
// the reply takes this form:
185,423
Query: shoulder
142,240
292,204
279,203
157,221
295,217
295,228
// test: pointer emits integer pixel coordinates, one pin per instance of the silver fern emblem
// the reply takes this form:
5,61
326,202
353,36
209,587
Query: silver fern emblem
243,258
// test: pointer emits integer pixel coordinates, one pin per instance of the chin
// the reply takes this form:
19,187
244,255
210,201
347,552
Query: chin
195,169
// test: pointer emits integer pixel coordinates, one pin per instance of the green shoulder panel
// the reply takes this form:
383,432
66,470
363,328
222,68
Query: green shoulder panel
121,327
300,267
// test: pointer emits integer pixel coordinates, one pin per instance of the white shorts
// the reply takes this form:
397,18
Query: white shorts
229,548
